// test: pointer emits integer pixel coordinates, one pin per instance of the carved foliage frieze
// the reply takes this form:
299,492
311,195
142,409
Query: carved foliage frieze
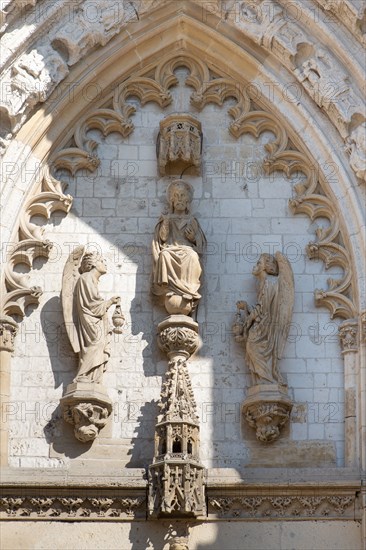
282,506
72,507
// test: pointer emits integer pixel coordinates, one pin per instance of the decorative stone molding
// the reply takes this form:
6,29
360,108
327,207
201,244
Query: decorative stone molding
178,336
31,245
72,508
11,9
328,83
76,506
348,335
349,13
282,507
179,144
8,331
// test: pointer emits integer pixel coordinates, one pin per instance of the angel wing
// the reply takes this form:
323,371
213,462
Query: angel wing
286,296
70,277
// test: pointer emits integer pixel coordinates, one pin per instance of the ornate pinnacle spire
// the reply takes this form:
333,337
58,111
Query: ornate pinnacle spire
177,399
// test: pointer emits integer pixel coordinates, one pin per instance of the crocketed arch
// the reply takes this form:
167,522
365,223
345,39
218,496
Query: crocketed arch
304,137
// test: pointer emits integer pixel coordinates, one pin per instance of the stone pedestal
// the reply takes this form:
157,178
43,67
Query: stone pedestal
87,407
176,476
267,408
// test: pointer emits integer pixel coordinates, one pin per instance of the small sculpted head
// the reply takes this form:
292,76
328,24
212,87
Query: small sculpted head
92,260
180,196
266,263
86,433
178,543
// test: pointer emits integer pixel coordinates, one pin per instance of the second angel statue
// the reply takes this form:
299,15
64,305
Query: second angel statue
263,330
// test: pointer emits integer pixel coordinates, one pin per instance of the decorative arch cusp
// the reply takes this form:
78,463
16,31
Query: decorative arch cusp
210,84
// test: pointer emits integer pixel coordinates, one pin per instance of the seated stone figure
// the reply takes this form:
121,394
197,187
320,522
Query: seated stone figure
178,243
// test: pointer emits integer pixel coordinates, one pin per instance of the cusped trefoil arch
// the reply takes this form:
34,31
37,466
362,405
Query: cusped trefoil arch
208,87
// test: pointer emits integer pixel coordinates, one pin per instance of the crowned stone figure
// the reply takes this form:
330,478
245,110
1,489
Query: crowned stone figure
177,246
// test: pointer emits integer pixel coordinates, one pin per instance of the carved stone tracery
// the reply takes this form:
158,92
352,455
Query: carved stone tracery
309,195
33,76
32,244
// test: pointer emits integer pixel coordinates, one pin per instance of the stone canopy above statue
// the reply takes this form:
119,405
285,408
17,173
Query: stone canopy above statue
179,144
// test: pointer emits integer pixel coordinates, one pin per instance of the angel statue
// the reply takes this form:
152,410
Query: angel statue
177,246
85,313
264,328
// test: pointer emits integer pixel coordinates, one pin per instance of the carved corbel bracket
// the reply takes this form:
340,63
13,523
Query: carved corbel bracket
267,409
87,407
178,336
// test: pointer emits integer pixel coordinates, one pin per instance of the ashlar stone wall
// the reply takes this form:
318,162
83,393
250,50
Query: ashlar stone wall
243,213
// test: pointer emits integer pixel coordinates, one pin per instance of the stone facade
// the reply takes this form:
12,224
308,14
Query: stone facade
275,174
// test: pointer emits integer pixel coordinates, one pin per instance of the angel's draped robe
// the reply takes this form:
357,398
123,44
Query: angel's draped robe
93,329
261,343
177,266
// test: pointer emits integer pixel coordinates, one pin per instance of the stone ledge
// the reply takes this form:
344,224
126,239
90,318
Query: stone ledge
79,476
